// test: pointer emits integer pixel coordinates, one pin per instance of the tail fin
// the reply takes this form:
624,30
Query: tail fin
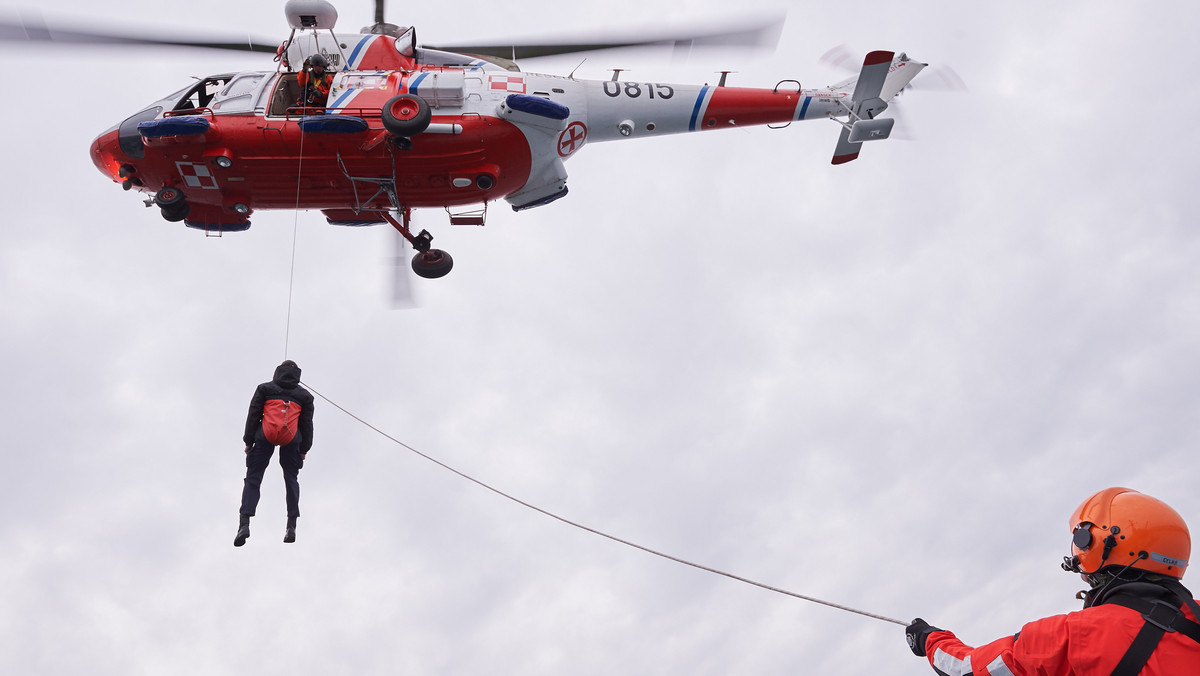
883,75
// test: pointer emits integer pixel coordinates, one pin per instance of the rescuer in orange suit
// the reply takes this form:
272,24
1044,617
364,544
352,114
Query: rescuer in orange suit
1137,618
314,82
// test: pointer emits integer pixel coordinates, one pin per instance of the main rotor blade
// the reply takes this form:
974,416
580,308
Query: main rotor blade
761,35
33,29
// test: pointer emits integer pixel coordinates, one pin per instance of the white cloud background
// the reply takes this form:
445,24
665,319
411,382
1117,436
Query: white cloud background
884,384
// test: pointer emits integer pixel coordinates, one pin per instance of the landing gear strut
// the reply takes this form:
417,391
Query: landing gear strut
428,262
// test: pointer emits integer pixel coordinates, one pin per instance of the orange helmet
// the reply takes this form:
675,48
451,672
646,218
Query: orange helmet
1122,527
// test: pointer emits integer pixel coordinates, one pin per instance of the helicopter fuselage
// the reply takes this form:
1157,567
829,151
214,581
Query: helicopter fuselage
235,143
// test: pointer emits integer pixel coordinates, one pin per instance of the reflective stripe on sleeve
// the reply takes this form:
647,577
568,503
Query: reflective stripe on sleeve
999,668
948,665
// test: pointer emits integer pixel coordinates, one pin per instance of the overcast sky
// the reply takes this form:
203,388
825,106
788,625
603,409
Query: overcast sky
884,384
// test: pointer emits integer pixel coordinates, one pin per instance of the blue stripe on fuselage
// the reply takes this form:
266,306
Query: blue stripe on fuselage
412,87
341,99
804,108
358,48
696,109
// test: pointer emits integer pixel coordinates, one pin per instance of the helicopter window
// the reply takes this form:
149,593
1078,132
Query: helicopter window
242,85
128,135
407,42
363,81
200,95
239,95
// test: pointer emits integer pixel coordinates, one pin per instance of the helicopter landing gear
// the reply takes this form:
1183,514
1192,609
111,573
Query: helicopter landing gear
428,262
169,197
173,204
176,214
432,264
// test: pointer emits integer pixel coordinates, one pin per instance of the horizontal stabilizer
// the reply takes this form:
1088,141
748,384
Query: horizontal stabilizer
871,130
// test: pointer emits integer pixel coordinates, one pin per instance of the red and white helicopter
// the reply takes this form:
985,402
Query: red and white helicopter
407,126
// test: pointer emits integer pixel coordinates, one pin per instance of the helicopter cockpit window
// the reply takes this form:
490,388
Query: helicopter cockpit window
240,95
407,42
202,93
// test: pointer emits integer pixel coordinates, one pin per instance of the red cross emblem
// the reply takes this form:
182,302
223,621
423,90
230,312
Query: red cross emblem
513,84
572,138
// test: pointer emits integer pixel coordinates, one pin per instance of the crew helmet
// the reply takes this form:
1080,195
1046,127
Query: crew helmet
317,60
1122,527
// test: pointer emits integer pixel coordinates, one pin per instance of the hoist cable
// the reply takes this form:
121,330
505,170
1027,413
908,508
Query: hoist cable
287,331
597,532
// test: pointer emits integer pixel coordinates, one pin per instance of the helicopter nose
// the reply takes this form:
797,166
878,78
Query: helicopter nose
106,155
112,161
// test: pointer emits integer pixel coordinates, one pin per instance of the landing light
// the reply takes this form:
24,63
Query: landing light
241,208
223,162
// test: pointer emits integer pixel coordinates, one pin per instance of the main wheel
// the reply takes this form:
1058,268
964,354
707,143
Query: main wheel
176,213
432,264
169,197
406,115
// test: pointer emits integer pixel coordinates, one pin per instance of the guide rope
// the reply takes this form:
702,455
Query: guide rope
597,532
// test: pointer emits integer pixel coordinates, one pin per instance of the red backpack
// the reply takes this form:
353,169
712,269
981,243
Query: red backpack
279,422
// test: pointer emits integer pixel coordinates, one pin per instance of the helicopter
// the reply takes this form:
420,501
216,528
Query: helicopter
409,126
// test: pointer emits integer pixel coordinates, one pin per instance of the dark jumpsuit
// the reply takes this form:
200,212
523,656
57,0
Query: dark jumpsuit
285,386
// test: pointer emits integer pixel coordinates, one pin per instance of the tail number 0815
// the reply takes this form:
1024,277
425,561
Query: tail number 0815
634,90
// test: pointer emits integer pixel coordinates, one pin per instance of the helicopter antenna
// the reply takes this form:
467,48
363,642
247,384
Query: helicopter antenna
572,75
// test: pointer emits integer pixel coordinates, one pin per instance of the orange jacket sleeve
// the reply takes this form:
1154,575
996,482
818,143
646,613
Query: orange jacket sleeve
1083,643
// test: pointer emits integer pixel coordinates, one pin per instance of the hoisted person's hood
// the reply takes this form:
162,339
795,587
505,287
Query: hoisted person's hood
287,375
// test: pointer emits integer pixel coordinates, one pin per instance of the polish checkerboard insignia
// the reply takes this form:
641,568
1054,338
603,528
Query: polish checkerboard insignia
512,84
196,175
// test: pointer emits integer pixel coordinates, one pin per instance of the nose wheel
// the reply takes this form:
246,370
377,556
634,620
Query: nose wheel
428,262
173,204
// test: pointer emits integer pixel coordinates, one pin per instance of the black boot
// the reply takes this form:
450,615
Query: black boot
289,535
243,533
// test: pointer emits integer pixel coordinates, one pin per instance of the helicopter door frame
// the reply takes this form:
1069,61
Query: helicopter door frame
285,92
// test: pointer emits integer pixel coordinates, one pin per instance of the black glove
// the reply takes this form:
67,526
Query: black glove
916,634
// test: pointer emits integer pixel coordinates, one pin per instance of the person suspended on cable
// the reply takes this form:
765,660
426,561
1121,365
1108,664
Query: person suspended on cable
281,414
314,82
1137,616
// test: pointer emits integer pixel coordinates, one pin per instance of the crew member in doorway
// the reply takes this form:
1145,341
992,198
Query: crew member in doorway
314,82
281,414
1137,616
